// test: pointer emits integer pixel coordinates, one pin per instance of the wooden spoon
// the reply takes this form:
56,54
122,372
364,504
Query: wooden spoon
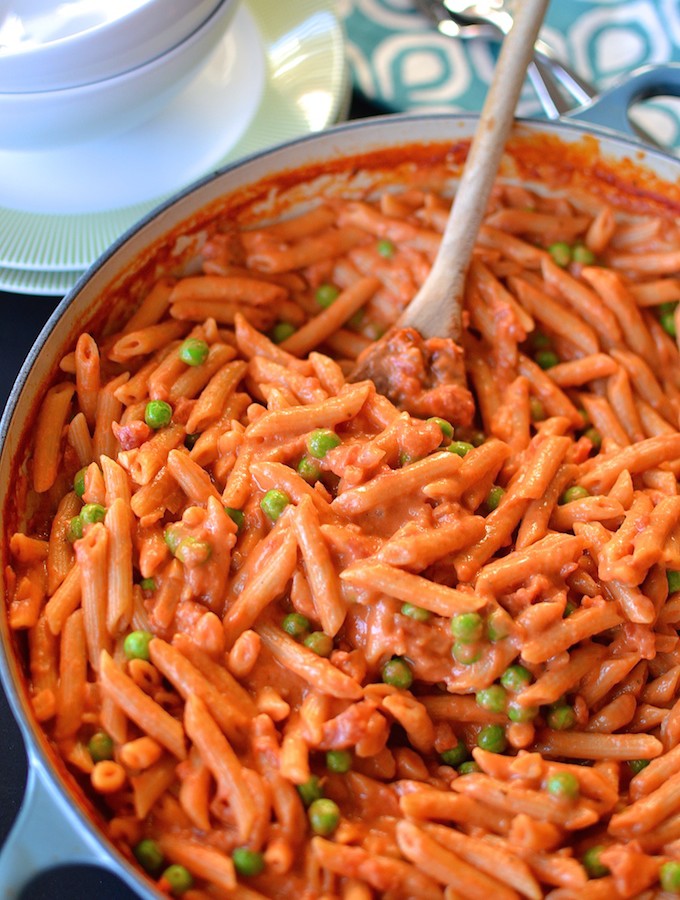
436,310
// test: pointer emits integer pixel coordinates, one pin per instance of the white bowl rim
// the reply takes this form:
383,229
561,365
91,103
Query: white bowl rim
78,53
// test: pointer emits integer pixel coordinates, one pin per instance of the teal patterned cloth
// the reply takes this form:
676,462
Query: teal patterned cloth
401,62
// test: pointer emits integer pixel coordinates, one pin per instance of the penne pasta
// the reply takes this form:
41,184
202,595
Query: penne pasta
308,643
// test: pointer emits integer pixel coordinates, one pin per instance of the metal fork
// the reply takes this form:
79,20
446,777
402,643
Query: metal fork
549,77
498,14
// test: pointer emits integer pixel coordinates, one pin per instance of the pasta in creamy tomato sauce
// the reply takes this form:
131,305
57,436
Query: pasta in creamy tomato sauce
293,642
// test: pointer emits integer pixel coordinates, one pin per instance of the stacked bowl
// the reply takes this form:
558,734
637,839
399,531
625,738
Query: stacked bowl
74,72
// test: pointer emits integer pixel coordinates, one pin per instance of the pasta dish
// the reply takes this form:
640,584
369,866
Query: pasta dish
292,641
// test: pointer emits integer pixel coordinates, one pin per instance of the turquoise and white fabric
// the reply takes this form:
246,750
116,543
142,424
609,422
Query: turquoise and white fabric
401,62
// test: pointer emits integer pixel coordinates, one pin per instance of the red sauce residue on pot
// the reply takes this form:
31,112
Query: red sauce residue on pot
534,157
625,182
530,156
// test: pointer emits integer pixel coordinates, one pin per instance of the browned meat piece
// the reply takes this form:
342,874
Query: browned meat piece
423,377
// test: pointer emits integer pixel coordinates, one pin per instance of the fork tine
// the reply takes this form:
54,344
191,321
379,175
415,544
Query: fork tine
439,16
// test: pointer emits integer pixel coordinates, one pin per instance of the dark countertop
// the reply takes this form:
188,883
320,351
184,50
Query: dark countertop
21,319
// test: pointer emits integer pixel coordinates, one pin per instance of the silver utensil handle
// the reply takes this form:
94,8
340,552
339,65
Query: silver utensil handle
549,77
544,84
581,90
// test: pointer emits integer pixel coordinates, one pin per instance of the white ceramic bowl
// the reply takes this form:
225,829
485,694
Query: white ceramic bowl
46,45
37,120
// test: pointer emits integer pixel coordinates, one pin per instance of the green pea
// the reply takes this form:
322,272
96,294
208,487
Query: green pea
79,481
296,625
467,627
546,359
592,863
416,612
466,654
561,717
324,816
136,644
75,529
247,862
310,791
667,322
594,437
498,625
569,608
536,410
178,879
468,768
539,341
492,698
321,441
564,785
157,414
309,469
325,294
148,584
583,255
320,643
492,738
281,332
515,678
338,761
477,438
149,856
92,512
192,551
519,713
356,321
669,876
575,492
100,746
397,672
668,307
446,427
494,497
236,515
454,756
273,503
386,248
561,253
460,448
172,535
190,440
194,351
673,578
405,459
637,765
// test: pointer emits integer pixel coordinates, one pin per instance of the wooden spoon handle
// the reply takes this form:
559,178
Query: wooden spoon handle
436,310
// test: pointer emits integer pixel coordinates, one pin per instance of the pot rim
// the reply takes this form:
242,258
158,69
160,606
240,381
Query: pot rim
38,755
